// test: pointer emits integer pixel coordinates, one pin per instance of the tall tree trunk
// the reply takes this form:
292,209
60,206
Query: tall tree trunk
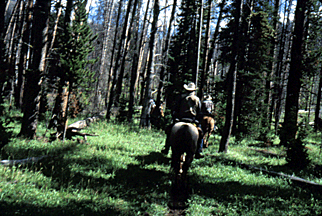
147,94
278,90
117,80
199,41
58,115
34,75
294,80
2,45
269,81
23,56
134,69
212,47
103,64
125,51
143,57
165,53
204,73
231,79
112,72
318,103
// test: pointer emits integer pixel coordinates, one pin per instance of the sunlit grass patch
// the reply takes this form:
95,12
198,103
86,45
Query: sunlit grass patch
122,172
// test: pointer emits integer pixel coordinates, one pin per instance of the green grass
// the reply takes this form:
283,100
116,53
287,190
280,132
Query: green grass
122,172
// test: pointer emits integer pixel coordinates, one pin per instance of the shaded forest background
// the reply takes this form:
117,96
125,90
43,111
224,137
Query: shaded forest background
259,60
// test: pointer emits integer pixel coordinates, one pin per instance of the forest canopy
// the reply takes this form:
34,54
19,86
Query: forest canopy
259,60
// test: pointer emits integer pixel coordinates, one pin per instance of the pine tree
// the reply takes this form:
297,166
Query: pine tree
182,51
74,47
252,64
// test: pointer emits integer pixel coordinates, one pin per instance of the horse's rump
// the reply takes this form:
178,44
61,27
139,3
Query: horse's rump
208,126
184,137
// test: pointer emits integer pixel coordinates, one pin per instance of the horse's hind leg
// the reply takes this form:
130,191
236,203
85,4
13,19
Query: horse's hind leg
186,165
175,163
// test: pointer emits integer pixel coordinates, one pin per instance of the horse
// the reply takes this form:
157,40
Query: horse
208,126
156,113
183,141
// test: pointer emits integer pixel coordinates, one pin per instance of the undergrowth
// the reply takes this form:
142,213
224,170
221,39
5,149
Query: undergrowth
122,172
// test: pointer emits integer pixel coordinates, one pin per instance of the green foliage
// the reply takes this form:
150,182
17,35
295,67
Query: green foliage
6,134
182,51
297,156
122,172
254,58
75,45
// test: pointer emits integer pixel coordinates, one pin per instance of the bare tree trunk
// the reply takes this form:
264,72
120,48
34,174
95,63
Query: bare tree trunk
58,116
24,53
231,79
112,72
269,81
165,53
34,76
125,51
294,80
134,69
318,103
147,94
14,47
204,73
143,58
103,64
2,45
278,90
213,42
199,41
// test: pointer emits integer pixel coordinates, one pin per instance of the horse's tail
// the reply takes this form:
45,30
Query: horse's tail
186,139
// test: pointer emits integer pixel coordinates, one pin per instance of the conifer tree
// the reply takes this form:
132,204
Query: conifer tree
182,52
75,45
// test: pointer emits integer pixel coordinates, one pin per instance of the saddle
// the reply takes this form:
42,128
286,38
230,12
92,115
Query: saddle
191,121
187,120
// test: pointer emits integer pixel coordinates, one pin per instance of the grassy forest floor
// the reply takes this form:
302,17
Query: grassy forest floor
122,172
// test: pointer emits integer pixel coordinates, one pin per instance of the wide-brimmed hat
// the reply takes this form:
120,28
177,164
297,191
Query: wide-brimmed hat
208,97
190,87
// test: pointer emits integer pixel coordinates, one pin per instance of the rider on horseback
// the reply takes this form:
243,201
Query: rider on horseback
207,106
187,109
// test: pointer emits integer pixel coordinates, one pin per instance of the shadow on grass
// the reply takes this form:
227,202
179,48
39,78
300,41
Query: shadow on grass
71,208
154,157
136,185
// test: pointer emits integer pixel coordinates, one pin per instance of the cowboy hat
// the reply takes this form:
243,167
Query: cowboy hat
190,87
208,97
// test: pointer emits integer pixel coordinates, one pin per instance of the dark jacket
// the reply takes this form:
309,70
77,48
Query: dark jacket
188,106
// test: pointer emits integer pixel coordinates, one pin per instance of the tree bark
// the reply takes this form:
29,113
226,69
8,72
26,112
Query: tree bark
103,64
112,72
34,76
199,42
147,94
295,75
278,89
204,73
165,53
318,103
2,44
134,69
231,85
125,51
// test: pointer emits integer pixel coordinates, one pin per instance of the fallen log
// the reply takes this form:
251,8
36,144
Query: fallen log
22,161
296,180
267,152
73,129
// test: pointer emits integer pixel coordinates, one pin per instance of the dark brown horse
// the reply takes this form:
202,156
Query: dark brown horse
208,126
183,141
